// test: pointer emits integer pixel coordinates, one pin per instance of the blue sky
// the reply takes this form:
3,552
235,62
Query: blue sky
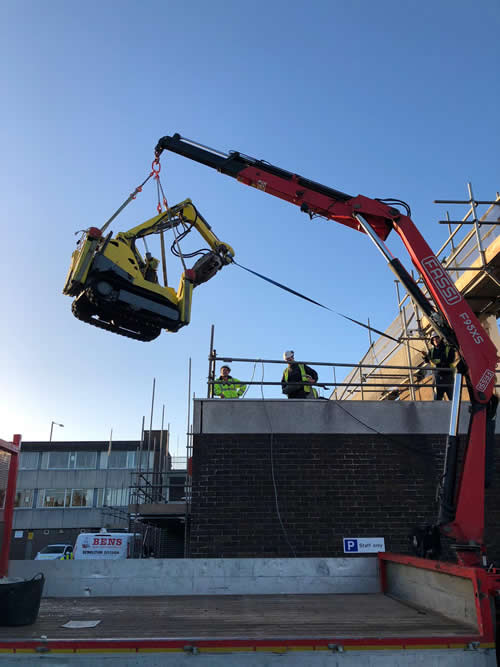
386,99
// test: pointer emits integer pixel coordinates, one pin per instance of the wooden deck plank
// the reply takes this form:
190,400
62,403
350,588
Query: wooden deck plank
236,616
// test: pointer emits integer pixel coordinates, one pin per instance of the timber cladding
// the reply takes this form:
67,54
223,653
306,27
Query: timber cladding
286,495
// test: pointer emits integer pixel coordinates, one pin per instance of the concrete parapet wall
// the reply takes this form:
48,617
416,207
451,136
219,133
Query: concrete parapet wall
197,576
213,416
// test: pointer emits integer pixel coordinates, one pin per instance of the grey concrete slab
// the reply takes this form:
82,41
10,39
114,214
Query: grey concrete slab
27,479
23,519
82,517
54,519
305,416
232,576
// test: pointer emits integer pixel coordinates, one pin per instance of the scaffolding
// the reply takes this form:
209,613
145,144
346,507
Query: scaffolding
158,497
471,255
396,376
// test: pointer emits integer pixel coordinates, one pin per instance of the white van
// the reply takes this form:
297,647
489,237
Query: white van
102,545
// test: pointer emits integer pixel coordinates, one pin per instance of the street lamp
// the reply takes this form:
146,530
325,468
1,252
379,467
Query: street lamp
52,428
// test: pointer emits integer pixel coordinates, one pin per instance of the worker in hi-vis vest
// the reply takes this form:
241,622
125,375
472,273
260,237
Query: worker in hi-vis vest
442,356
298,379
228,387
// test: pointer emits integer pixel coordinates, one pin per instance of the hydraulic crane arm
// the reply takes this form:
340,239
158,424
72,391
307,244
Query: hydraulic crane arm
454,320
461,514
312,198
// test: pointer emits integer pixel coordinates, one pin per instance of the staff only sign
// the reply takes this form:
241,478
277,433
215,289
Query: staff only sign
363,545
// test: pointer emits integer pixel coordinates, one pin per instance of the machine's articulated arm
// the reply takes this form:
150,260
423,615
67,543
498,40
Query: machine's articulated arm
449,313
186,216
185,212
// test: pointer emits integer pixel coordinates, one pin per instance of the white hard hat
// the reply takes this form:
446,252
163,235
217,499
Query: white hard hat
288,354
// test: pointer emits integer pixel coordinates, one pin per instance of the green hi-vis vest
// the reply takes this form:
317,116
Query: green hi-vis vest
436,361
232,389
307,387
68,556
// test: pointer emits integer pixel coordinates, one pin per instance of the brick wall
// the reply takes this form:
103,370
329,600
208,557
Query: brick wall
291,494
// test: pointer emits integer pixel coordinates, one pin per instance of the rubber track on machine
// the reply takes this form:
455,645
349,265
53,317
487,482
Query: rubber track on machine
87,306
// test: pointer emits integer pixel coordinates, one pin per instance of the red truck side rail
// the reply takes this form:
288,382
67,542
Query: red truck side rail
13,449
484,586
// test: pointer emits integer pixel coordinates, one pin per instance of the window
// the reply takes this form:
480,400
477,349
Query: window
52,498
144,460
53,549
65,498
86,460
117,460
56,460
28,461
24,499
176,489
112,497
81,497
69,460
123,459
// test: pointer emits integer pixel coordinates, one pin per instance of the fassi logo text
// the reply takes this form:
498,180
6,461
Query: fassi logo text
441,280
485,380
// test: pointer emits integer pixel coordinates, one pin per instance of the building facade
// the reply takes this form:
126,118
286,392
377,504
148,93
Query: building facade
64,488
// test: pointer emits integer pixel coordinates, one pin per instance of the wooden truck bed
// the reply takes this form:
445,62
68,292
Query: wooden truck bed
237,616
424,606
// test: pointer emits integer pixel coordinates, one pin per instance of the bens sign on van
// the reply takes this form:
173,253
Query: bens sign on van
103,546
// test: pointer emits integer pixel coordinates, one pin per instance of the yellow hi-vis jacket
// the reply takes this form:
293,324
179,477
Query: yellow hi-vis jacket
230,388
306,387
442,356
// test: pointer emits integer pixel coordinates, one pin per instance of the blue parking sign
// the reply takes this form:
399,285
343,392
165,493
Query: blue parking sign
363,545
350,545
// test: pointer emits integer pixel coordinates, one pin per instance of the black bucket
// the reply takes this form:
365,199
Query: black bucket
20,600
